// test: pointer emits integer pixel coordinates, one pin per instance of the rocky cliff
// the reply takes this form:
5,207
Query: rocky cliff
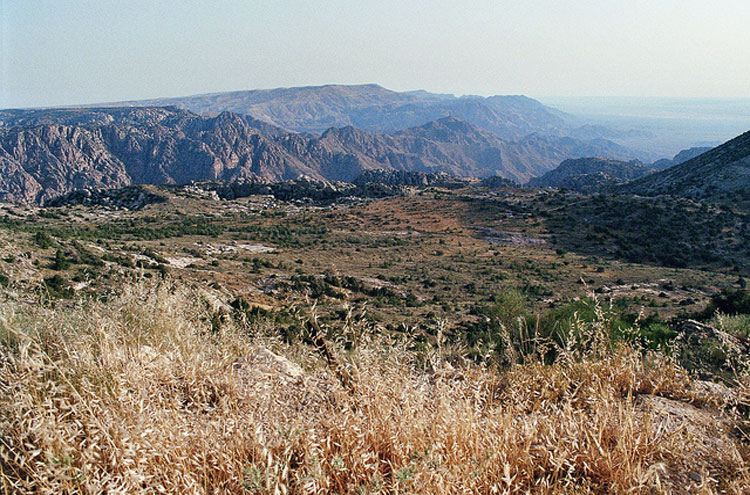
48,153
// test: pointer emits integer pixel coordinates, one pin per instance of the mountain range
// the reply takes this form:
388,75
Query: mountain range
335,133
370,107
49,152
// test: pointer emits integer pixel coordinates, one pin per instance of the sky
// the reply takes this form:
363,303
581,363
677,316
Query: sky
63,52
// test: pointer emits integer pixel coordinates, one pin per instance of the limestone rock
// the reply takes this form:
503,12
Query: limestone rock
262,364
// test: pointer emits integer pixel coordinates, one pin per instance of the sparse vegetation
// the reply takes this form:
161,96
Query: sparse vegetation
143,394
505,337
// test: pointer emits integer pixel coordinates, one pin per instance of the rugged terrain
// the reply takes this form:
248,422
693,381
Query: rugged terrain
719,175
443,247
162,338
214,304
48,153
376,109
590,174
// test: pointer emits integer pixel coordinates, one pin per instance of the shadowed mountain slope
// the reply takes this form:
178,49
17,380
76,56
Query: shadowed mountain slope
720,174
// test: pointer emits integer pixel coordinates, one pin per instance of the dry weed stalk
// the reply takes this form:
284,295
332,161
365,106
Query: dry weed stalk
139,395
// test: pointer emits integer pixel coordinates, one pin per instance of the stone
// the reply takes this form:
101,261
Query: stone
263,363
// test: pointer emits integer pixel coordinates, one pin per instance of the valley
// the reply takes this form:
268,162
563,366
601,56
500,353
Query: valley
374,248
419,256
317,310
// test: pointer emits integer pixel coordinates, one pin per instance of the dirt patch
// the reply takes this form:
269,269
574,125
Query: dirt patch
182,261
505,238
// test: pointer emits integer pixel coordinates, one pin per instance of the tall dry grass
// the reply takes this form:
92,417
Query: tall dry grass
143,395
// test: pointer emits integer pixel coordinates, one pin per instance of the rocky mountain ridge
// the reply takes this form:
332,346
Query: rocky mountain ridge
721,174
373,108
680,157
590,175
48,153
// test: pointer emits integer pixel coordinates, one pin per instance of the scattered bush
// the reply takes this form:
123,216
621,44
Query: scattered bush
43,240
61,261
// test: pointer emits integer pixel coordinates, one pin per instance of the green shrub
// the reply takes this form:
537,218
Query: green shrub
43,240
56,286
728,302
61,262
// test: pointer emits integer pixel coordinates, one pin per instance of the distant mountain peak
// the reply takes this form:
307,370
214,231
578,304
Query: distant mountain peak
371,107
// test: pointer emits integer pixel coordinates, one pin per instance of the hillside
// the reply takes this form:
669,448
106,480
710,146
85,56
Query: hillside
119,147
590,174
720,174
48,153
680,157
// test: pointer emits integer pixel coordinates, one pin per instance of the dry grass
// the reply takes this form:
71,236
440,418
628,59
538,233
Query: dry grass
139,395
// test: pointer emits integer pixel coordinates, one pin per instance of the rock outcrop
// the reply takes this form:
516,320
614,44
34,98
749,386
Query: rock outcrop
405,178
304,188
126,198
707,431
589,175
262,363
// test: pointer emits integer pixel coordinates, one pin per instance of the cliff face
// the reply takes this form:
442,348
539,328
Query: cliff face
48,153
54,154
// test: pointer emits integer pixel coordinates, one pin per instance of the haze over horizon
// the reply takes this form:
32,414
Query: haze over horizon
66,53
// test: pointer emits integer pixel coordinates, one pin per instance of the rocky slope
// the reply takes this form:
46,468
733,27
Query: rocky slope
721,174
457,147
590,175
120,147
48,153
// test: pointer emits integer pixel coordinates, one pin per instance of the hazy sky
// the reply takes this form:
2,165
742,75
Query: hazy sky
57,52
